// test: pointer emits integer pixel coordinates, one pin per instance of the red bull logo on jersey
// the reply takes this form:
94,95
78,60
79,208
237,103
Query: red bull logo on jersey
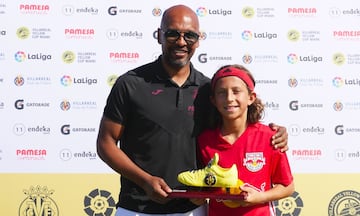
254,161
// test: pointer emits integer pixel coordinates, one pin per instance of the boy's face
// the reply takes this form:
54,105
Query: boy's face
231,97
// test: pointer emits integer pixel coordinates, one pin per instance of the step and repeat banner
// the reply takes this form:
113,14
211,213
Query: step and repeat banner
59,59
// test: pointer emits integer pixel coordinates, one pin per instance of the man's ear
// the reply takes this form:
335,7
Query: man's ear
159,35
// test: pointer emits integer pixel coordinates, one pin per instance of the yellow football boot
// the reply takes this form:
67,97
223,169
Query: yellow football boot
211,176
233,190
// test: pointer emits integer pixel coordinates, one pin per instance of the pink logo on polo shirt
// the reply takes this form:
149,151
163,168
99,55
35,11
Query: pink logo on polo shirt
156,92
254,161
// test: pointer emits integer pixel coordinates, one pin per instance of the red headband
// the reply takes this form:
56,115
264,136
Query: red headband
233,71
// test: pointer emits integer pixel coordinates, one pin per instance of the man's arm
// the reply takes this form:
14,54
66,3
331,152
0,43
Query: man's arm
280,139
107,149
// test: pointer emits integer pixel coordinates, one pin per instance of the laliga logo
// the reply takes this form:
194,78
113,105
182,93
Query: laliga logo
291,205
66,80
201,11
20,56
99,202
246,35
292,58
338,82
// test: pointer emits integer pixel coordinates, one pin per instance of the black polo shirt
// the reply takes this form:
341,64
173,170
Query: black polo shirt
161,121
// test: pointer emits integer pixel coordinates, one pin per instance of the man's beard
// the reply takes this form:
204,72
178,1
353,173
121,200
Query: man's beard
178,63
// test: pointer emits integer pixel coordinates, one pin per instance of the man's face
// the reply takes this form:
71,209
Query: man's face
178,50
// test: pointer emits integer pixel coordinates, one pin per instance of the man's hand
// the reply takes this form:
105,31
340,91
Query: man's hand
280,139
157,189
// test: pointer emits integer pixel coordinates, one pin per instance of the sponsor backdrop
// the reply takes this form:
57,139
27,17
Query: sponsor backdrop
59,59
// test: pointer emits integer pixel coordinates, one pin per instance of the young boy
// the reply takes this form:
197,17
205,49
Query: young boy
237,137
